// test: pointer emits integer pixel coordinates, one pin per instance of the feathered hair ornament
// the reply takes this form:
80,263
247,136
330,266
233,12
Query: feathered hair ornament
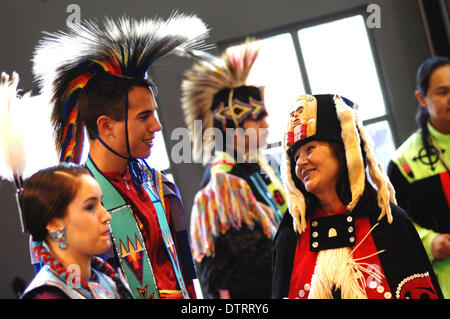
64,62
12,144
209,75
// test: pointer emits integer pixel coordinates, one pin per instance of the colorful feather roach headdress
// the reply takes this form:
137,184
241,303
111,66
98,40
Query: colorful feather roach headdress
205,79
64,62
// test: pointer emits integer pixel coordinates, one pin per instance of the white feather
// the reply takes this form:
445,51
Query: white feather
11,137
26,141
189,26
62,49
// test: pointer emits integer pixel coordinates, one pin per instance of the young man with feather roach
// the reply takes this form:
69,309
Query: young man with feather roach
96,76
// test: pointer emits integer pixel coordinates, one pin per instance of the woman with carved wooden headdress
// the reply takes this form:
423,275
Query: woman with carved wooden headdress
342,237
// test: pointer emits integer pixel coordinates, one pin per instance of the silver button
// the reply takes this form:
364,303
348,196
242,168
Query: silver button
349,219
301,293
352,239
315,234
315,244
350,229
314,223
387,295
307,287
373,284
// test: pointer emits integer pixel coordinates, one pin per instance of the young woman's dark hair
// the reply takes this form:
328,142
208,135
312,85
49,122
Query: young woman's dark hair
424,73
342,183
47,194
105,94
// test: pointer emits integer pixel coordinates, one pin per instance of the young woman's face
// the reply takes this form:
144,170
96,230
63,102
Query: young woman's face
317,167
86,220
437,100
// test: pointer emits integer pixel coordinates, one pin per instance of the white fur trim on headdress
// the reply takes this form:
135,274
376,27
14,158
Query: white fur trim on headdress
294,197
385,192
353,154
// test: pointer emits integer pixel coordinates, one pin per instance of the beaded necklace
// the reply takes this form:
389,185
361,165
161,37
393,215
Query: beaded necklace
96,263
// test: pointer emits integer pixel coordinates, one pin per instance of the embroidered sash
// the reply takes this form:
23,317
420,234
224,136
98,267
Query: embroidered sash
129,244
158,202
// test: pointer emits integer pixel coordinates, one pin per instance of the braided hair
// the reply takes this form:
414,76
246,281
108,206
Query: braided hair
424,73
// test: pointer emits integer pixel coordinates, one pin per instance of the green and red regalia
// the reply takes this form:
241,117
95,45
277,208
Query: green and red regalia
422,184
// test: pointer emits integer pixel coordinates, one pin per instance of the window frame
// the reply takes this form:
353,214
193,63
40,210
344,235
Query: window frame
293,29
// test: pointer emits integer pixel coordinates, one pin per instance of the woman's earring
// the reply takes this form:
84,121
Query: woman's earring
60,237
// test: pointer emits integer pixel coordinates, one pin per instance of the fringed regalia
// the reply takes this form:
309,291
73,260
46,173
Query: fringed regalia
241,201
